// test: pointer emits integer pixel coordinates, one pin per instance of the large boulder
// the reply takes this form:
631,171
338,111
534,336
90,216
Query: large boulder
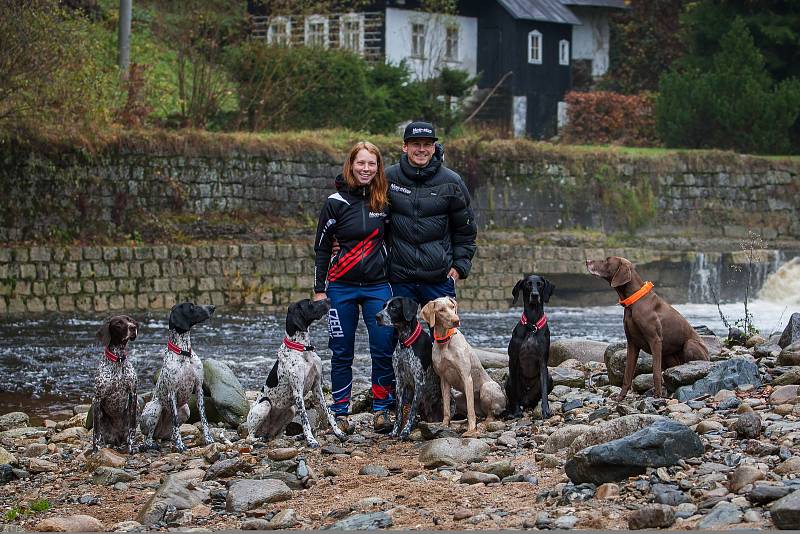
606,431
453,451
615,356
491,358
791,334
12,420
662,443
785,511
73,523
244,495
583,350
790,355
567,377
179,490
563,437
728,374
686,374
226,392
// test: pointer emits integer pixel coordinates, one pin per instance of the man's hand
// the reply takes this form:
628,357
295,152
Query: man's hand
453,274
320,296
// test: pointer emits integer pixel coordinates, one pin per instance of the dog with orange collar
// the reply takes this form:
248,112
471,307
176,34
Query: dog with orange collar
297,371
114,407
458,366
651,324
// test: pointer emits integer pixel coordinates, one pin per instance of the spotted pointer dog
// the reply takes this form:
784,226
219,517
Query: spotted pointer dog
114,407
297,371
180,377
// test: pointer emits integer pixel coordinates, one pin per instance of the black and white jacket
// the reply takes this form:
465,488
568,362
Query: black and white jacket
361,233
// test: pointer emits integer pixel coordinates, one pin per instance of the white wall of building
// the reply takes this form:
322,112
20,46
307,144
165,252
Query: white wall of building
399,46
592,39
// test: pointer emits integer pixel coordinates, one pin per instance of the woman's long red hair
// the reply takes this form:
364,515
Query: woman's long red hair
379,187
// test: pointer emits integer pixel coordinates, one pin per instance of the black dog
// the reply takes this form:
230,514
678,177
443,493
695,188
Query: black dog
529,348
413,369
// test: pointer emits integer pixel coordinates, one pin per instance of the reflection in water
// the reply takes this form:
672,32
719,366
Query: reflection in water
49,363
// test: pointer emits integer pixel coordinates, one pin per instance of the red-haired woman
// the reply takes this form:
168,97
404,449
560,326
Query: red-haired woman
357,278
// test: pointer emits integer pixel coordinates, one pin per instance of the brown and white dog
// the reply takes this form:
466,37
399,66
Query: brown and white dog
457,365
651,324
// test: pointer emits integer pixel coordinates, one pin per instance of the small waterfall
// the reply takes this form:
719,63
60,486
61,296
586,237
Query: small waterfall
704,274
783,286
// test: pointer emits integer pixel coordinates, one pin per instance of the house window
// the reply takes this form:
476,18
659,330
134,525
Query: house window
279,31
317,31
563,52
451,44
535,47
351,32
417,39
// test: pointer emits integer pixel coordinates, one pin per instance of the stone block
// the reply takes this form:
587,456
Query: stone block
75,254
16,305
160,252
34,304
106,286
69,269
100,303
119,269
92,253
50,304
161,285
73,287
116,302
27,271
100,269
135,269
125,254
39,289
84,303
143,253
5,255
151,269
21,255
66,303
110,253
89,286
126,286
40,254
85,269
22,288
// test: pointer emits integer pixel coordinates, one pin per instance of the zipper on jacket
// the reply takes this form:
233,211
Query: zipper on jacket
363,229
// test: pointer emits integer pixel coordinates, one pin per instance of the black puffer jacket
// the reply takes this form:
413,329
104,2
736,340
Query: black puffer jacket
433,228
362,256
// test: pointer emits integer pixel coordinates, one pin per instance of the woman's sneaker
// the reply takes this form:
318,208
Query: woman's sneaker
344,424
381,423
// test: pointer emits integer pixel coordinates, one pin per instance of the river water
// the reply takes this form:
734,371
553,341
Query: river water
47,365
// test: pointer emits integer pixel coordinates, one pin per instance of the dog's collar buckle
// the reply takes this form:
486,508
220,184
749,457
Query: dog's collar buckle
295,345
110,356
535,327
442,340
413,337
172,347
644,290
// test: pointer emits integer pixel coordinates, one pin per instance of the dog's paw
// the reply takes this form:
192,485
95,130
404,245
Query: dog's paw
404,435
620,396
341,435
207,439
474,433
313,444
180,447
149,446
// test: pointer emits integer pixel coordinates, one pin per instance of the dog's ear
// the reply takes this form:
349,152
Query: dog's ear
548,290
104,333
179,317
455,304
622,276
410,308
428,313
516,289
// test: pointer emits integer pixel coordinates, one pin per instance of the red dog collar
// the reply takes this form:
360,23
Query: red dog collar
413,337
295,345
644,290
539,324
177,350
110,356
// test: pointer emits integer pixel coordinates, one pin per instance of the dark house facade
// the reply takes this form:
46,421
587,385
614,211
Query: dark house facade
523,50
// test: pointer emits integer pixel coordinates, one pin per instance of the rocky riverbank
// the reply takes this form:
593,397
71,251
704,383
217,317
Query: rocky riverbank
722,454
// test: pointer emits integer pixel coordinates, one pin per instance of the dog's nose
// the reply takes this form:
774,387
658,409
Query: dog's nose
457,322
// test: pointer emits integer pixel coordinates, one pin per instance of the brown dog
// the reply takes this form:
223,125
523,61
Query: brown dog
457,365
650,323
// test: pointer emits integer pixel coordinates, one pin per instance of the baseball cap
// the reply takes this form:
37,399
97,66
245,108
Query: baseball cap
420,130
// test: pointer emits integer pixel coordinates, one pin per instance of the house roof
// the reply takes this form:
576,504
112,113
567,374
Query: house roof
543,10
618,4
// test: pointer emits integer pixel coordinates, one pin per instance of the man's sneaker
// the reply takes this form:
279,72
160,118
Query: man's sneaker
381,422
344,424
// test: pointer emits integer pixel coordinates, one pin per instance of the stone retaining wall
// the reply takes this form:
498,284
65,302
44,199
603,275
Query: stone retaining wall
268,276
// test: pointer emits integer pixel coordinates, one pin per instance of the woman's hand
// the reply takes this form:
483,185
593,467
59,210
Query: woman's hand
320,296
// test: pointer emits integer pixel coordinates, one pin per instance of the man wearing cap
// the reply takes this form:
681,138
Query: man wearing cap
433,229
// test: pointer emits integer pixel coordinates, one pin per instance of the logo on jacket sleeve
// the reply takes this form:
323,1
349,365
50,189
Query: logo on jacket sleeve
400,189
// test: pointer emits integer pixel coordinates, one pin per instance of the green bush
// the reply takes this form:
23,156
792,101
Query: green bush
51,68
733,105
